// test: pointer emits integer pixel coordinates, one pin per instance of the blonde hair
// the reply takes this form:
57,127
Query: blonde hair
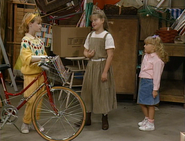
100,14
159,47
28,18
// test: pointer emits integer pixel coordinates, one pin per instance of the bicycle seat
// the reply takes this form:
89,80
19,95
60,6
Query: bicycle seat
4,66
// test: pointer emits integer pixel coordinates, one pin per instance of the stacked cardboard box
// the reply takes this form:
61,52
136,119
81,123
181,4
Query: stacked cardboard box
69,41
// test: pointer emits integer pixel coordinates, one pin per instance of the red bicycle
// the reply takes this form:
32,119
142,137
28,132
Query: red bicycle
59,108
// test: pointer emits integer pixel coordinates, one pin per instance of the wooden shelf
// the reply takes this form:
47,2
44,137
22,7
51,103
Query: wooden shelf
177,50
172,91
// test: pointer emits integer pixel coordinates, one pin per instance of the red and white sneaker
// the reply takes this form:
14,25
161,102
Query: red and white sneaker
142,123
149,126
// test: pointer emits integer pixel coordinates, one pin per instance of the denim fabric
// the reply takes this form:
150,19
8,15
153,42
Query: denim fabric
145,95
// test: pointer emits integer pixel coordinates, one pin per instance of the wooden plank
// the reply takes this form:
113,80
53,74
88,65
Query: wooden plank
19,19
172,98
18,37
24,10
20,12
10,22
18,24
148,26
175,49
9,30
18,2
15,29
172,91
125,34
16,43
18,16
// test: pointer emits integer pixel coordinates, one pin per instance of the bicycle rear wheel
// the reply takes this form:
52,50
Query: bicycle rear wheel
60,126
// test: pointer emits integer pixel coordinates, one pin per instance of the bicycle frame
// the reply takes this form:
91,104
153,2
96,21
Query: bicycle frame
53,107
44,83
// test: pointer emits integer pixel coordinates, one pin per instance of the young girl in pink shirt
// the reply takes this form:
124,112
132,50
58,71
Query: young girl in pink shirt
150,75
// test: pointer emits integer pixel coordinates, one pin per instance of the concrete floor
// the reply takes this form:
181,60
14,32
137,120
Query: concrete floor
169,122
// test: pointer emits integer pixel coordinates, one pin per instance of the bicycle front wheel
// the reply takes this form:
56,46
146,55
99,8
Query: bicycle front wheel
60,117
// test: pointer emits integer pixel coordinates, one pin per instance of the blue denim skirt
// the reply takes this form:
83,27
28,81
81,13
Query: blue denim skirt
145,95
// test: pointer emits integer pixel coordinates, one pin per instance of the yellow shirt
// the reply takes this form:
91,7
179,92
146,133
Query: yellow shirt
31,46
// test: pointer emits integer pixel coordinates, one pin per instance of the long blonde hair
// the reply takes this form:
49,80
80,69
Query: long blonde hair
100,14
28,18
159,47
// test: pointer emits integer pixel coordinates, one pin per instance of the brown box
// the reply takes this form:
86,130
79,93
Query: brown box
69,41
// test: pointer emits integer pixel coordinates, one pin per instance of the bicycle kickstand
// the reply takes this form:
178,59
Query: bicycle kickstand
17,128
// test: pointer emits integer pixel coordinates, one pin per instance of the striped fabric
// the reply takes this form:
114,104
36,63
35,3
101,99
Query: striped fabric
175,12
46,34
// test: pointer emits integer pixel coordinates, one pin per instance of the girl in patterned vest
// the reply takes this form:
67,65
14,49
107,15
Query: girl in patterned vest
32,49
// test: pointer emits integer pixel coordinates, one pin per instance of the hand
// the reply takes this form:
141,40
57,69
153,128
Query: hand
104,77
155,93
90,53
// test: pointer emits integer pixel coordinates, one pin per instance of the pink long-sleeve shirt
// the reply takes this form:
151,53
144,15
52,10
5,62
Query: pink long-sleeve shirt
152,68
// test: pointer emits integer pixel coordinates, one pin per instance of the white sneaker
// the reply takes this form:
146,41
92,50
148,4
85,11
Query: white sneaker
25,128
142,123
147,127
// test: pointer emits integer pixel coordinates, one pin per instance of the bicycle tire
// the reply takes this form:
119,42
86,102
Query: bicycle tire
61,127
1,102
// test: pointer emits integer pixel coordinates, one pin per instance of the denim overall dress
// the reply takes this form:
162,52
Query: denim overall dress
99,97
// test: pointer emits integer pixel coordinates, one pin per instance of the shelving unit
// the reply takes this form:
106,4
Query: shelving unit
173,90
16,11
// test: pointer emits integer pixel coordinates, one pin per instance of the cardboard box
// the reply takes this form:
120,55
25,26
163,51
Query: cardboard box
69,41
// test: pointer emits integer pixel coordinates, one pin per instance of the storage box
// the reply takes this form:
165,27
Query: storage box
69,41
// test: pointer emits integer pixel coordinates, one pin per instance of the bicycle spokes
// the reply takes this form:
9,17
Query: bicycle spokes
61,125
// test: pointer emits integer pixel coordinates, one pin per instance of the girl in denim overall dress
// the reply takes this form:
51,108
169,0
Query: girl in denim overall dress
98,90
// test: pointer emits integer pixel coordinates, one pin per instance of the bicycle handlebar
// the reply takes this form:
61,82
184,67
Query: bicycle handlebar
43,62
